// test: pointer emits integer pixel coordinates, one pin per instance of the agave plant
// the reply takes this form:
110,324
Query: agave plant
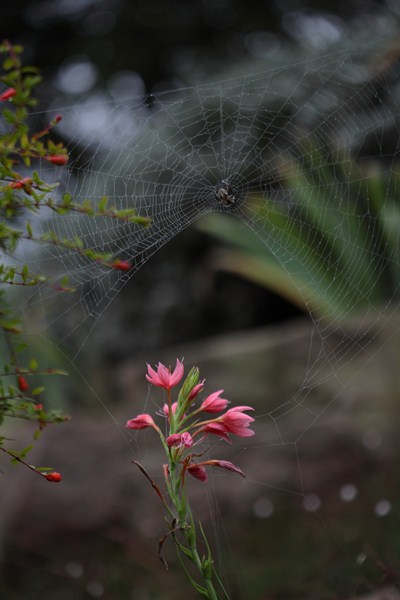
330,245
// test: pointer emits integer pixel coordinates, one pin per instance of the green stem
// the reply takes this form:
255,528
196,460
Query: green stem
197,561
188,529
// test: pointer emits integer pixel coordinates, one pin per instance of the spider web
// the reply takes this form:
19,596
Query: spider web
293,147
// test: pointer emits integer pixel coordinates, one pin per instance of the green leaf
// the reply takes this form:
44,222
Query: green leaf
33,364
102,206
25,273
37,391
30,82
9,116
8,63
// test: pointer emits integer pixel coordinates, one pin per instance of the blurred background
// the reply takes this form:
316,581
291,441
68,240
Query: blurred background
326,529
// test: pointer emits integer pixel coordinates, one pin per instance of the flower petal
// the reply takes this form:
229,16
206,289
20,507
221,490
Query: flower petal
177,373
197,471
225,464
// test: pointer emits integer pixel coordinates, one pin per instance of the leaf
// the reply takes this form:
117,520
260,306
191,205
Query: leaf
37,391
102,206
37,434
30,82
25,273
8,63
9,116
33,364
199,588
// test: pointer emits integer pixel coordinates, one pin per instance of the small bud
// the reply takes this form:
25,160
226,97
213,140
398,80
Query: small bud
165,409
54,476
21,183
57,159
38,406
180,440
22,383
141,422
196,390
122,265
8,94
57,118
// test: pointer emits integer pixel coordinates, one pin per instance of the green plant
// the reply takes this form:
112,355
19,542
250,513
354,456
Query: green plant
24,192
339,224
187,427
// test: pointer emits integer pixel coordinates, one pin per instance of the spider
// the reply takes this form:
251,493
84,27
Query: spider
225,194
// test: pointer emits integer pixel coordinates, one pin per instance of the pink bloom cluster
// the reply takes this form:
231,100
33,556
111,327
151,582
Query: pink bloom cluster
186,422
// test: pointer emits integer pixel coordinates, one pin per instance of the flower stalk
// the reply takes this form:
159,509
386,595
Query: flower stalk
185,429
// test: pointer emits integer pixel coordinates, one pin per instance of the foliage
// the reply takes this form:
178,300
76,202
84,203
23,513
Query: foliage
339,221
24,192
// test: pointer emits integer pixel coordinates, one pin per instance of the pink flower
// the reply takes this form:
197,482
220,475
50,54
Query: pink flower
165,408
141,422
8,94
180,440
216,429
235,421
196,390
163,377
213,403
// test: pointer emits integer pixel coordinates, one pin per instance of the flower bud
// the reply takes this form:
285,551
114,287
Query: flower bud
122,265
54,476
57,159
22,383
141,422
196,390
189,390
180,440
20,183
165,409
8,94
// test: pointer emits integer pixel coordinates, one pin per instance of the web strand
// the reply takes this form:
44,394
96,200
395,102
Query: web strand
286,152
